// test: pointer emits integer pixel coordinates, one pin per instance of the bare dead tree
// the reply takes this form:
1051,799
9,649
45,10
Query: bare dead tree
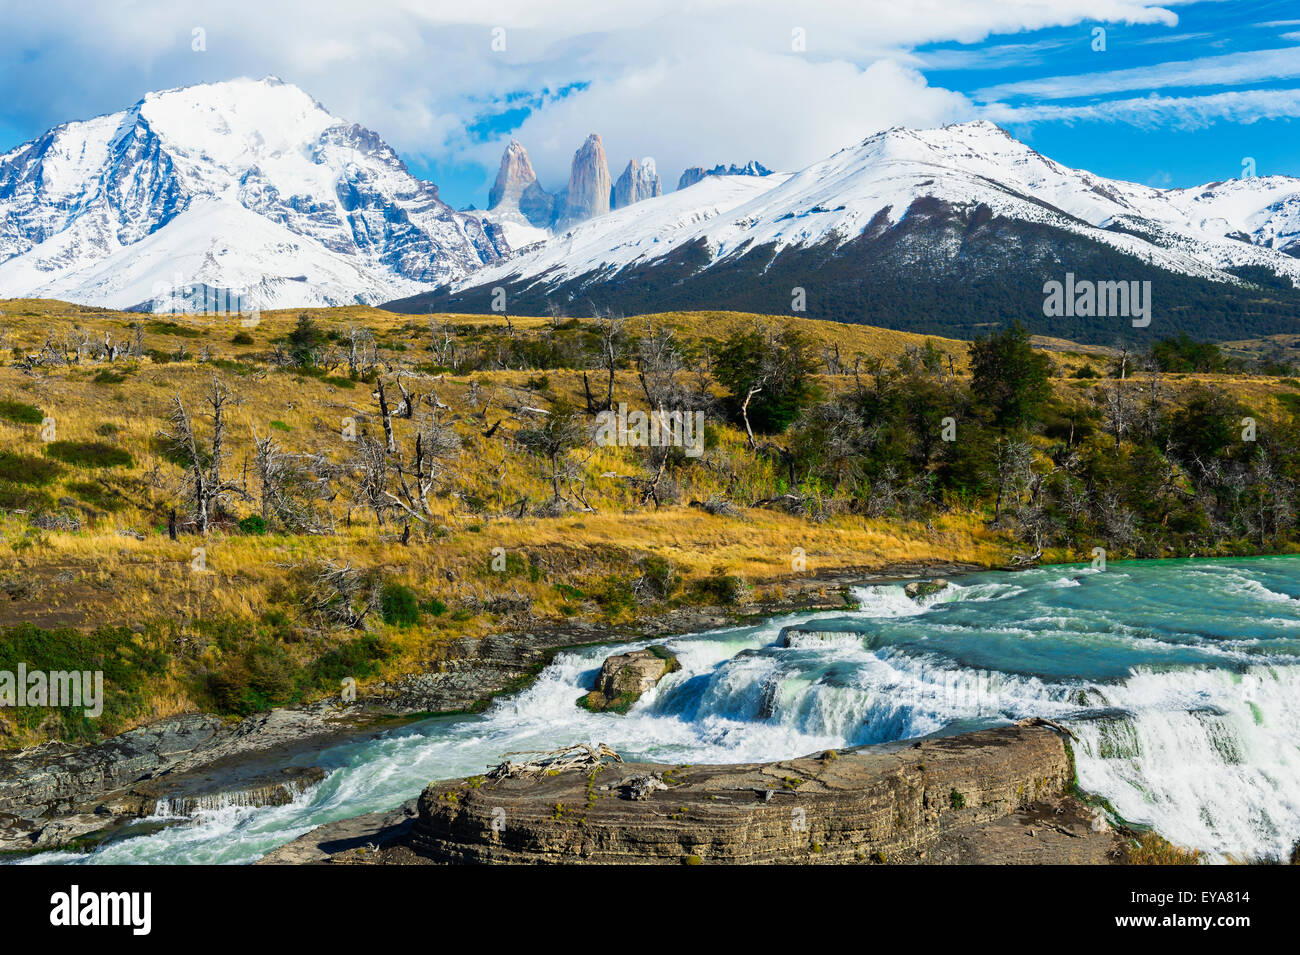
373,469
613,338
341,594
553,439
390,477
385,416
362,353
1012,470
444,345
659,361
291,485
1118,409
203,487
407,408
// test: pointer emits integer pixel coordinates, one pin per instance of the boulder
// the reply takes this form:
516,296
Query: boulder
625,677
923,588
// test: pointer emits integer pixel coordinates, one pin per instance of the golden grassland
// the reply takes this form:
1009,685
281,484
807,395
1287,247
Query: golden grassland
120,567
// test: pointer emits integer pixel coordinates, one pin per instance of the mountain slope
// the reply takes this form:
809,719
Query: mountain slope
244,184
945,230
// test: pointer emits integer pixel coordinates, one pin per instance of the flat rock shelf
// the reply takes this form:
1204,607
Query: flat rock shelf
998,795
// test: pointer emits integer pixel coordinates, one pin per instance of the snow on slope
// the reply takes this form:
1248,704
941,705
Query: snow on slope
1199,232
331,201
254,186
643,231
219,244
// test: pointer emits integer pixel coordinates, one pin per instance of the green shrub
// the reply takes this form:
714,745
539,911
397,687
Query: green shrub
433,607
253,524
357,659
398,605
20,412
96,494
613,594
280,426
724,589
90,454
569,592
21,469
517,565
16,497
261,678
241,338
164,327
128,663
659,577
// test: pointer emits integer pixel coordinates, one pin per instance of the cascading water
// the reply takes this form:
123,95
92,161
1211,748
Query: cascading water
1181,679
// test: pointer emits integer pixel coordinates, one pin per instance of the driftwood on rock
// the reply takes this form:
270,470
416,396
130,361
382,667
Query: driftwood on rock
583,756
638,785
1051,724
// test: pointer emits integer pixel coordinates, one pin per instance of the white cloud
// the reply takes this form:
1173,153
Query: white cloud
715,111
699,82
1225,70
1183,112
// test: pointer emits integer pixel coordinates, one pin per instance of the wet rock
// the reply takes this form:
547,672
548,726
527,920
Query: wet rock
54,794
336,841
624,678
923,588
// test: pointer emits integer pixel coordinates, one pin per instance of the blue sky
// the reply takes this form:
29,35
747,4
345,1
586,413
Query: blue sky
1180,94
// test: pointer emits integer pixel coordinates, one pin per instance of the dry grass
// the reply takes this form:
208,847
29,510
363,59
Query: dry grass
121,567
1149,848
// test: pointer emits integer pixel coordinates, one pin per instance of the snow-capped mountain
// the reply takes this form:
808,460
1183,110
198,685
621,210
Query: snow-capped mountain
243,185
943,229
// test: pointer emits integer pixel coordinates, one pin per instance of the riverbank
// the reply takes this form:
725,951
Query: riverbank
1178,678
61,796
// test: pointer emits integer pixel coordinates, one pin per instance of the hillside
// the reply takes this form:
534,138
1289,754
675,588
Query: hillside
328,555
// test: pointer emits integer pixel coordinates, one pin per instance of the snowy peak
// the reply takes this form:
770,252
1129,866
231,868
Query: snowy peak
589,187
352,222
516,192
639,181
962,221
239,123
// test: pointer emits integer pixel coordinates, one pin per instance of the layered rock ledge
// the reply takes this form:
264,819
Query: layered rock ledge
999,795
